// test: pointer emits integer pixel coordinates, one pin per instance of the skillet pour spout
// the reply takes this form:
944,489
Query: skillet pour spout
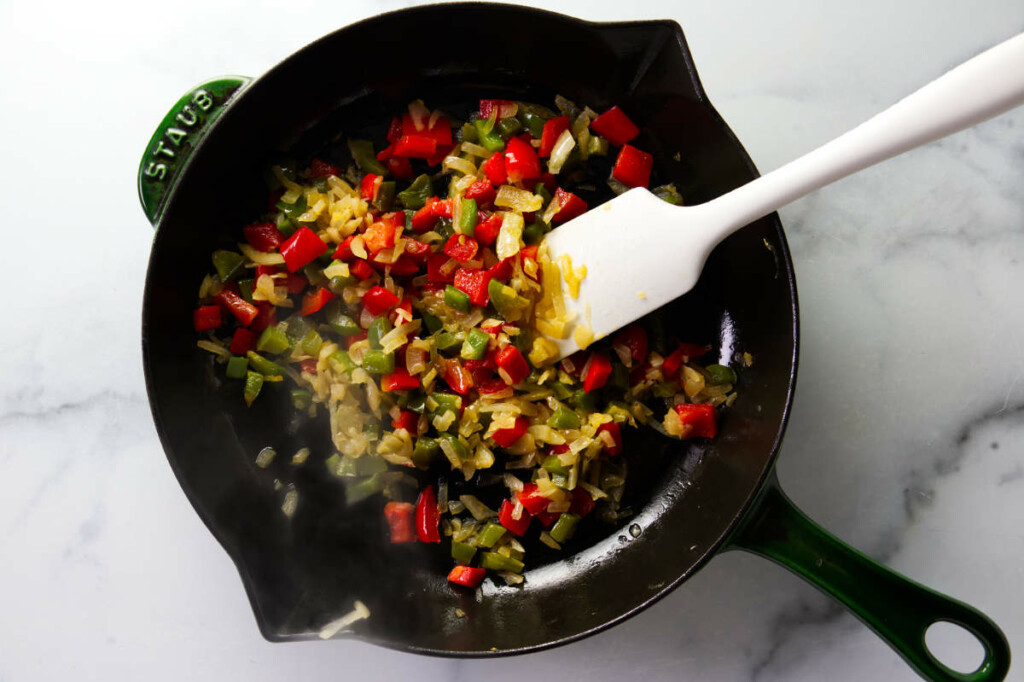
692,500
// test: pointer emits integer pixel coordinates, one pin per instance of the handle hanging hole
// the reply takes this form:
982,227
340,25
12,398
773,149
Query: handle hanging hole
954,646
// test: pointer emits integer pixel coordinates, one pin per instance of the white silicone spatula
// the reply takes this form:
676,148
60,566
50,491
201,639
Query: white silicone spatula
642,252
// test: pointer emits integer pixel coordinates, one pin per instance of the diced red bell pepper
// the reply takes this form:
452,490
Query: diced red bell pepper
243,311
456,376
506,437
501,270
361,269
206,317
596,372
486,231
547,518
381,234
529,253
293,284
424,219
266,317
263,236
443,150
467,576
461,248
369,187
379,300
394,130
302,248
492,386
399,167
322,169
417,250
521,161
440,131
482,192
308,366
403,267
570,206
505,108
639,374
700,417
434,272
399,518
266,270
354,339
387,153
399,380
582,503
675,360
442,208
427,516
613,430
549,181
633,167
474,284
408,420
315,300
633,337
531,501
517,526
553,129
344,250
615,126
494,169
416,146
242,341
513,364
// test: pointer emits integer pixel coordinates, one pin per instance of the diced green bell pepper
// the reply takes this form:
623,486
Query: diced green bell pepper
378,362
272,340
377,329
301,400
340,321
507,127
490,534
341,361
432,322
564,418
385,200
554,465
311,343
493,561
265,367
227,264
462,552
505,299
489,138
468,217
415,196
365,158
720,374
457,444
475,345
455,298
533,123
357,491
237,367
253,384
564,527
425,451
245,287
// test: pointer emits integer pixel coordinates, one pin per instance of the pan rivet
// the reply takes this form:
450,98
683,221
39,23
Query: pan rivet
635,530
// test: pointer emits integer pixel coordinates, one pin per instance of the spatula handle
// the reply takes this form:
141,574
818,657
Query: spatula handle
978,89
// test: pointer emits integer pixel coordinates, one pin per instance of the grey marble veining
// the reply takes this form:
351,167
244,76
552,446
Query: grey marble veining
907,433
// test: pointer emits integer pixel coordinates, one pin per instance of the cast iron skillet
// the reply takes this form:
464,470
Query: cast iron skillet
200,180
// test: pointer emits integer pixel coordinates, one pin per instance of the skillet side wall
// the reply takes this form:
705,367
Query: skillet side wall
303,573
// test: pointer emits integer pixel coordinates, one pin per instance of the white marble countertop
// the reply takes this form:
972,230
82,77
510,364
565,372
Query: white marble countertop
907,433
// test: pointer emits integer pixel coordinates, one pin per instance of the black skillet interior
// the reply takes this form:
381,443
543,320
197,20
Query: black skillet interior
303,572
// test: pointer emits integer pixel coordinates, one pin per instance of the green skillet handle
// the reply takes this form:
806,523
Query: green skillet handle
896,608
184,126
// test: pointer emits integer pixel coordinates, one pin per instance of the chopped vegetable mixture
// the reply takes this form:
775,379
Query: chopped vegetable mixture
409,295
